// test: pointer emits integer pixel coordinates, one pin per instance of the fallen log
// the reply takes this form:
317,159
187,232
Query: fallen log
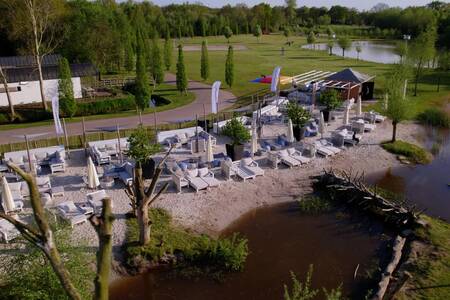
399,243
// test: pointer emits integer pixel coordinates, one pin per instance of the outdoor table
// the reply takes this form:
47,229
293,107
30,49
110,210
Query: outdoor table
107,182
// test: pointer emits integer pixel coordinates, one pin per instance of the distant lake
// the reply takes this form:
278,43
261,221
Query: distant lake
375,51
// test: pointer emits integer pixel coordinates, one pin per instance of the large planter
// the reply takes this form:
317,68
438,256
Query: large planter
299,133
326,115
148,169
235,152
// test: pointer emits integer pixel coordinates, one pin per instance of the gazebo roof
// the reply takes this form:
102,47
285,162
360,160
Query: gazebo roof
350,75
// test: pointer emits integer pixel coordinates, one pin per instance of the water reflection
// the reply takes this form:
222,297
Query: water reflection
428,186
280,240
375,51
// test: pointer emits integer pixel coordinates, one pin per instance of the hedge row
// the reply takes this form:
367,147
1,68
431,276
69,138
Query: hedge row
99,107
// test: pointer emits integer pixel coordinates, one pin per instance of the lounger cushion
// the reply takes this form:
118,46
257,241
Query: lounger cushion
17,160
203,172
192,173
40,156
284,153
246,161
291,151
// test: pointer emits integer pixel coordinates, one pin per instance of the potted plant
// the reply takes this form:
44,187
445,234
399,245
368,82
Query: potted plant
239,135
141,150
299,117
331,100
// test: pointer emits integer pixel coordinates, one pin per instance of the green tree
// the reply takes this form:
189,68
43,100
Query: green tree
345,43
258,32
168,53
395,104
311,38
229,67
141,150
228,33
142,88
156,68
287,33
290,11
68,105
358,50
421,52
204,62
129,57
330,45
181,72
401,49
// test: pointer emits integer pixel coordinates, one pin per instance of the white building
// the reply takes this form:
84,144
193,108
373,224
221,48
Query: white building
23,78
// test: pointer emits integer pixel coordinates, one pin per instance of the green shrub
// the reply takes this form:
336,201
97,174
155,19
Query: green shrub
435,117
224,254
414,153
331,99
33,115
106,106
235,130
4,118
314,205
298,115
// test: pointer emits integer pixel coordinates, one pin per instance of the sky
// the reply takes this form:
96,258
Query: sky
359,4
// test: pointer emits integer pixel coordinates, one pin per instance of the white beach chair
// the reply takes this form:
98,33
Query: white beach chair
297,155
195,181
286,159
72,213
179,180
249,164
95,200
330,146
243,173
322,150
207,176
8,231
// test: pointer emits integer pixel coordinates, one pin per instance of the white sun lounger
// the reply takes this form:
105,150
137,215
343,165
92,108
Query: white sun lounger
207,176
330,146
195,181
70,212
322,150
249,164
243,173
295,154
8,231
286,159
95,200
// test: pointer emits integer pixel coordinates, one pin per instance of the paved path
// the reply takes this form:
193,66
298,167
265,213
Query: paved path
202,93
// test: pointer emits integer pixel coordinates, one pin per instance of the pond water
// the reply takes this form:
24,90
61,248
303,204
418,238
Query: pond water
428,186
375,51
281,239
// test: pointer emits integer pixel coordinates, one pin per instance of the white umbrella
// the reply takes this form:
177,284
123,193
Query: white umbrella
254,138
209,150
346,115
7,197
93,181
322,128
359,106
290,133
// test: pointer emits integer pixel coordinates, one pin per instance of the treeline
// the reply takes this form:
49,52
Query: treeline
104,31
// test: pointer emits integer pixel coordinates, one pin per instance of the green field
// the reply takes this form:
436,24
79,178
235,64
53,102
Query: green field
262,57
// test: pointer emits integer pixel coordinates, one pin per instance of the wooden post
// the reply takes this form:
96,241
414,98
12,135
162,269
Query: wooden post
204,118
28,153
154,122
118,141
66,138
196,133
84,136
140,117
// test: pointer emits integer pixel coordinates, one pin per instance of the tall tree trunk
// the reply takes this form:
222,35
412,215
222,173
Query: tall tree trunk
144,224
41,83
394,131
104,229
343,52
43,238
419,66
8,95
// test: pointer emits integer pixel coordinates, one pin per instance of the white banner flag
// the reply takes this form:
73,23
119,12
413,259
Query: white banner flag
55,108
275,79
215,96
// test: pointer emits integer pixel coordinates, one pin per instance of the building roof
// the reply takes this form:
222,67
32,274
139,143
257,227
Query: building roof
28,61
350,75
48,72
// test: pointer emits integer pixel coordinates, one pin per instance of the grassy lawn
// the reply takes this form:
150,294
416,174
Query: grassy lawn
431,275
412,152
164,90
261,58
